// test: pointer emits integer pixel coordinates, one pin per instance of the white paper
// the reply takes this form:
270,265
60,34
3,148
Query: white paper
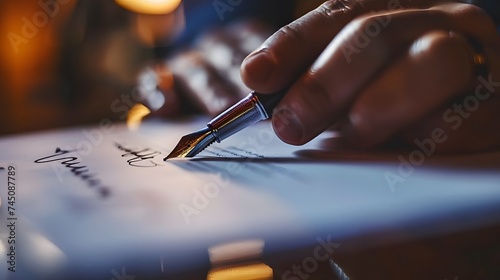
125,208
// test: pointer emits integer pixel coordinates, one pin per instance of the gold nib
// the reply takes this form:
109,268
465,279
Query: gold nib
246,112
192,144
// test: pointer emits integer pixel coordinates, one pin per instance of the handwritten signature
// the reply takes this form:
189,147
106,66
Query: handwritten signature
77,168
139,157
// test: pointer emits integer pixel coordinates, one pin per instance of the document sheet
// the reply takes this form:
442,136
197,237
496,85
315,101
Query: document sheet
100,201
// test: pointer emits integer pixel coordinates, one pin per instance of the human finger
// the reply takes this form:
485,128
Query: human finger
284,56
326,91
436,67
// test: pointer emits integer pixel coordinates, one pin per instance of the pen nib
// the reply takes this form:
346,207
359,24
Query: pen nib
192,144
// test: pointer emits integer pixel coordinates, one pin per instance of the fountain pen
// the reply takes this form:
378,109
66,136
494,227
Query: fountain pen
251,109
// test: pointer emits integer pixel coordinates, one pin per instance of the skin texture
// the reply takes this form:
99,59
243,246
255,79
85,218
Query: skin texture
381,70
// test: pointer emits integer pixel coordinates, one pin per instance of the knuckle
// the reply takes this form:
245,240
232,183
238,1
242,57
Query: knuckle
292,32
329,9
369,27
442,44
454,51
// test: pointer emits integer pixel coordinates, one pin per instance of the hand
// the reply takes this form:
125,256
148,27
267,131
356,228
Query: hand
404,72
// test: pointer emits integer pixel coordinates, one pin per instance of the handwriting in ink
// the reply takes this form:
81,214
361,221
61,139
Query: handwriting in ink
77,169
139,157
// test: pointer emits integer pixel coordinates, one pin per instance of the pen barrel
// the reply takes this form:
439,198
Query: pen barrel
270,100
246,112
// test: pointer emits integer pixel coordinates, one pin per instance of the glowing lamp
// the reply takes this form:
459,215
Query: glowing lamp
150,7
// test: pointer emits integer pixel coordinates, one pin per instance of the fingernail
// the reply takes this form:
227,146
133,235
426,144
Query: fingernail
258,66
287,126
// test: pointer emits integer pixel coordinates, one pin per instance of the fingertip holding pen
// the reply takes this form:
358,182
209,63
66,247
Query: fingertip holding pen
251,109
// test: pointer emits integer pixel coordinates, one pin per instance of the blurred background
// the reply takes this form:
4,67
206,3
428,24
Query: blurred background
69,62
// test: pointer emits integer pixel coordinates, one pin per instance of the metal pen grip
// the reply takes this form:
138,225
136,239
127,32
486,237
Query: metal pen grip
244,113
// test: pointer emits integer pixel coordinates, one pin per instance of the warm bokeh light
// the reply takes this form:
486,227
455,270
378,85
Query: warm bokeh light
28,61
238,260
151,7
135,116
258,271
